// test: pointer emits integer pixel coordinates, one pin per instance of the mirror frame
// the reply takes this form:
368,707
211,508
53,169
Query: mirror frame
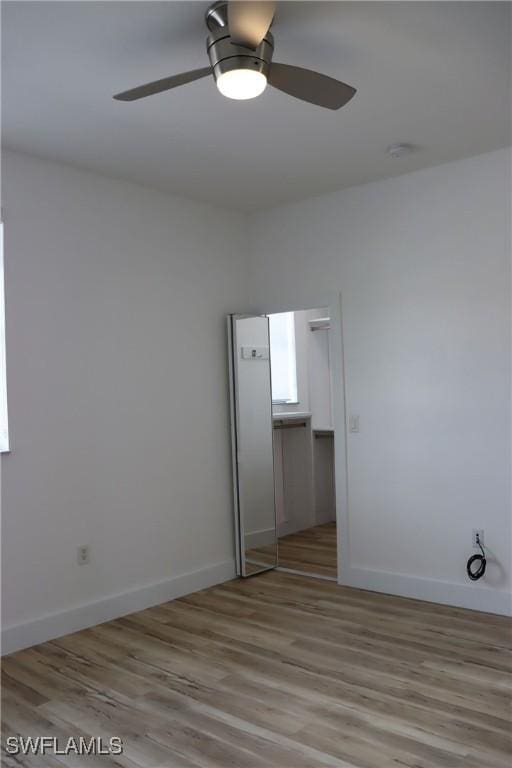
235,420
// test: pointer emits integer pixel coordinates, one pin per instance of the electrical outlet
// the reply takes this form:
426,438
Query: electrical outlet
83,554
478,534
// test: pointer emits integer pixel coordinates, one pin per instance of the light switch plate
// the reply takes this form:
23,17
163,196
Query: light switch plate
353,423
255,353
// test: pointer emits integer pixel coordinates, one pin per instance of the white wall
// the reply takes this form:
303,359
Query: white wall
423,264
118,395
319,373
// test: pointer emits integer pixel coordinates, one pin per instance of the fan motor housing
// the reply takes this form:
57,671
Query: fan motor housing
225,55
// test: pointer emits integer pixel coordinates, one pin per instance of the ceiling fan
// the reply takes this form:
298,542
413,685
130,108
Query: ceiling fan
240,48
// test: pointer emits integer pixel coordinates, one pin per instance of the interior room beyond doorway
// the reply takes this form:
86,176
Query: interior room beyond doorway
303,429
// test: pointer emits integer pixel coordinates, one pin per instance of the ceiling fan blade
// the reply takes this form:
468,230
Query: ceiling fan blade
249,21
165,84
310,86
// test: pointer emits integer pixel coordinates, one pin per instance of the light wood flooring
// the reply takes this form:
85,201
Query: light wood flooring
310,551
276,671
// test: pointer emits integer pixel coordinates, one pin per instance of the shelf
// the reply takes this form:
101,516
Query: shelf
328,432
320,324
291,415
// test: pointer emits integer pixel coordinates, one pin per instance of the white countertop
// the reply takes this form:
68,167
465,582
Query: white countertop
291,415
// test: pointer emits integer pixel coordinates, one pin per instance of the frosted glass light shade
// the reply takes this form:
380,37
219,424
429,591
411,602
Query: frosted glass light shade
241,83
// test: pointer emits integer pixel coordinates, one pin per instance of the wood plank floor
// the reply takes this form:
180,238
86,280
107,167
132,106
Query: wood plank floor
277,671
311,551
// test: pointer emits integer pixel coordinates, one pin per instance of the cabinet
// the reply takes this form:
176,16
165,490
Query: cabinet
304,473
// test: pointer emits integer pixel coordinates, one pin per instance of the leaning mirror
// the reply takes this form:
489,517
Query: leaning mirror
252,442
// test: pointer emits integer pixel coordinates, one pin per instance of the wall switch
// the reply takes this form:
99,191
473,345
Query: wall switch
353,423
83,554
255,353
478,533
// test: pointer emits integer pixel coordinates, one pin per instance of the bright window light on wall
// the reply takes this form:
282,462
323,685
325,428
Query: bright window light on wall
4,428
283,358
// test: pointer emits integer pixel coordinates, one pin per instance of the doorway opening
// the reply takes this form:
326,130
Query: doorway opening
288,438
303,442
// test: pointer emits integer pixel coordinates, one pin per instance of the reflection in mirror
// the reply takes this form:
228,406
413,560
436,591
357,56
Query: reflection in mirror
253,464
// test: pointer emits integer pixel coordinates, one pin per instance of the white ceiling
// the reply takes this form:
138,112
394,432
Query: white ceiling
433,74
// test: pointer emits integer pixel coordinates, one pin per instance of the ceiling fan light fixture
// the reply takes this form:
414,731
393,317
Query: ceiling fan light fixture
241,84
240,47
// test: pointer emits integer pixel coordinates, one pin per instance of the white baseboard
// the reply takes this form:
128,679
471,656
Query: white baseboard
289,527
48,627
476,597
260,538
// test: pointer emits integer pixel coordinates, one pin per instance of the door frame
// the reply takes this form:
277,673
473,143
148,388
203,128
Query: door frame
332,300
